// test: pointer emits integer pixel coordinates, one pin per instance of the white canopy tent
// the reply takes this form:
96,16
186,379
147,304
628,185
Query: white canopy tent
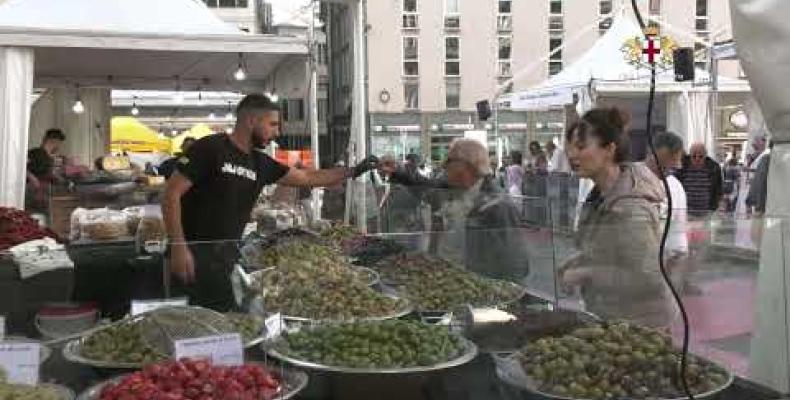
603,71
121,44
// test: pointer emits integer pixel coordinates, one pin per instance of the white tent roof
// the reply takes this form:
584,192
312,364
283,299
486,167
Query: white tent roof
142,44
184,17
605,68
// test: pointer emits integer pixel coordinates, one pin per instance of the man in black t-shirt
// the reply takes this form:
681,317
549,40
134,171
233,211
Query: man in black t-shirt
209,198
40,168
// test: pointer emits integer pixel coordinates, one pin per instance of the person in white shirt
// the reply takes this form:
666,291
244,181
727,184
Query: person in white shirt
558,161
669,150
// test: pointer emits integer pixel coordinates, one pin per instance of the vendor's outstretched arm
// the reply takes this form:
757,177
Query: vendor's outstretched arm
315,178
177,185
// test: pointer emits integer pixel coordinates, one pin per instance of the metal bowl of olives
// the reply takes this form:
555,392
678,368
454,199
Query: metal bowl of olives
384,347
610,360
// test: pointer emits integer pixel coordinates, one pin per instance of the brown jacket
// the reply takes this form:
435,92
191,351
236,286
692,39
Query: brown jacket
619,236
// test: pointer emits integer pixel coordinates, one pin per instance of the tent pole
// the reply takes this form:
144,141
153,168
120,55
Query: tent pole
314,140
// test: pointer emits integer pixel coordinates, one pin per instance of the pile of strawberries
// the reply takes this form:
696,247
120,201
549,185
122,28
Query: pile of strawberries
17,227
195,380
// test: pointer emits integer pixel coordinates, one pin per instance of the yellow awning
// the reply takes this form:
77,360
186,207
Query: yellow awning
198,131
129,134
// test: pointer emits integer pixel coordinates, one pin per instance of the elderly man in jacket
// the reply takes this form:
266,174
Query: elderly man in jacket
702,179
477,223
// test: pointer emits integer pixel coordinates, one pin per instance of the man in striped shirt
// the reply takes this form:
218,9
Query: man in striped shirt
701,178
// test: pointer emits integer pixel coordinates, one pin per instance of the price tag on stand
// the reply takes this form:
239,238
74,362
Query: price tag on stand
20,361
221,350
142,306
273,326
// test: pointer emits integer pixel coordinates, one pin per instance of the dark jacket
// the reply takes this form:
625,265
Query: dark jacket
758,191
495,245
715,175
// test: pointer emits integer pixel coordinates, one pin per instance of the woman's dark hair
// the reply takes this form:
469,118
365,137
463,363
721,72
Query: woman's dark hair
516,158
606,124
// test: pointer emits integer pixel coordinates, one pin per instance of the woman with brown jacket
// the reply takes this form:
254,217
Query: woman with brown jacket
619,233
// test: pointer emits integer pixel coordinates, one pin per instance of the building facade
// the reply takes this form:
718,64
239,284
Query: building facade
431,61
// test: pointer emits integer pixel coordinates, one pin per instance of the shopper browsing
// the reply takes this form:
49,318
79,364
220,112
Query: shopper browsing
209,198
617,265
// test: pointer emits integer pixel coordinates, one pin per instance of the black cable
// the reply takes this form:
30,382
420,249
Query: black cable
667,225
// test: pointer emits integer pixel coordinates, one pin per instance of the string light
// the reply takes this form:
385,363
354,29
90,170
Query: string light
135,110
240,73
212,116
78,107
229,115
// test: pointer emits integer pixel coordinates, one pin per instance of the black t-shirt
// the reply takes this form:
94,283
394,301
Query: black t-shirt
39,163
226,182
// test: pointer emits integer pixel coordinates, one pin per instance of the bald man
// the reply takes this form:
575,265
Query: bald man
701,178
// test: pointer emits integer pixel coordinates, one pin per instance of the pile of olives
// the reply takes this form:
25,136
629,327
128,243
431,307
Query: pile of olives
374,345
120,343
615,360
249,326
339,233
310,260
25,392
434,284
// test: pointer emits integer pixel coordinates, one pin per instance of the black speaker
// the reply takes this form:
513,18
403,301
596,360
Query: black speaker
684,64
483,110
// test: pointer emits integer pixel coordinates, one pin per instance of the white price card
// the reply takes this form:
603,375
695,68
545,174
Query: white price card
20,361
221,350
274,326
143,306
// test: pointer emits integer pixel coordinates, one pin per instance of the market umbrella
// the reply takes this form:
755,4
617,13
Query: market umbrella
198,131
129,134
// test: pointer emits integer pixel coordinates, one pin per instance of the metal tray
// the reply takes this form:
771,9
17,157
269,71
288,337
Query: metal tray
370,276
402,312
72,352
509,370
469,354
294,382
522,291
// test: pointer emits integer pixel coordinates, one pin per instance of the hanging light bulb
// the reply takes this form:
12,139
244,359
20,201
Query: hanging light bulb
272,96
174,132
135,110
228,130
229,115
240,73
78,107
200,98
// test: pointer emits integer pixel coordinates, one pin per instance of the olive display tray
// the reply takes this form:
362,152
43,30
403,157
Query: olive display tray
469,354
72,352
294,382
62,392
407,308
522,291
372,277
509,370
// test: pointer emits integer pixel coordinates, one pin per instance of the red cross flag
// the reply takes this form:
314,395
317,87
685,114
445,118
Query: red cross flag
653,49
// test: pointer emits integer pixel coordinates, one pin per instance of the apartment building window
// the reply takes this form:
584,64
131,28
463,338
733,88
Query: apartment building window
293,110
226,3
505,18
323,107
555,7
321,54
452,56
702,8
555,59
505,47
604,16
452,14
505,68
410,15
411,95
410,56
556,23
452,98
